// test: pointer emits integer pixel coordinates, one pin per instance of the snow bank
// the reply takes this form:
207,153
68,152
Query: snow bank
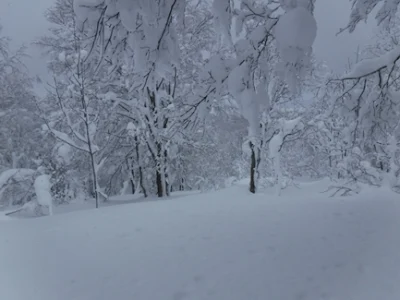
227,245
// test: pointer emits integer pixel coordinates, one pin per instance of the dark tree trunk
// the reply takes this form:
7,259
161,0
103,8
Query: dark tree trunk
161,172
159,177
140,169
253,164
133,184
167,186
141,182
160,192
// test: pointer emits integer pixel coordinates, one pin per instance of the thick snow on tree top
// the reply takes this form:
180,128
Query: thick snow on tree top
295,34
148,22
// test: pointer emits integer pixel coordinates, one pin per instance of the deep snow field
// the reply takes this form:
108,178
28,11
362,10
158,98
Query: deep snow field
224,245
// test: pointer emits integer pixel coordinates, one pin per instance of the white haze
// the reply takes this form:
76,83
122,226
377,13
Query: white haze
330,16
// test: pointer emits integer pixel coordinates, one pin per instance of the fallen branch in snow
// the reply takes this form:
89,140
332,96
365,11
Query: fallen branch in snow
14,212
346,191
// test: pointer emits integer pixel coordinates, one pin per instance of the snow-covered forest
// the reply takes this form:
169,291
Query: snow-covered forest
153,97
157,99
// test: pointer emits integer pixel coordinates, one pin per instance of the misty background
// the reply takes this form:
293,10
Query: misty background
23,21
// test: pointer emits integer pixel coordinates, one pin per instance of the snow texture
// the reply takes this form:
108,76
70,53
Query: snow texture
223,246
222,10
64,153
295,34
369,66
84,9
295,30
17,174
363,8
66,139
42,189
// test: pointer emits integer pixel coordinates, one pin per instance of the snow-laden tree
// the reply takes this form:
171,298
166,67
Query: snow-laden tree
268,47
139,38
17,110
74,111
361,9
20,129
157,105
142,37
366,107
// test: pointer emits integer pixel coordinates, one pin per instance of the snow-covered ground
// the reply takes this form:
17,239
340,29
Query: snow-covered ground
225,245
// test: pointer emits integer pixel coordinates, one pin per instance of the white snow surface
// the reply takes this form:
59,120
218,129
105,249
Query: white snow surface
227,245
42,189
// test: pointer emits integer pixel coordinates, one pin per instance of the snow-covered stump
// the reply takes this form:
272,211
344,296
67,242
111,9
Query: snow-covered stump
42,189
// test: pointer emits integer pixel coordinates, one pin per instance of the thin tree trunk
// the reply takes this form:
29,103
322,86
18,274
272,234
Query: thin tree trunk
164,183
253,163
166,175
94,174
140,169
141,182
161,173
159,183
159,169
90,146
14,160
133,184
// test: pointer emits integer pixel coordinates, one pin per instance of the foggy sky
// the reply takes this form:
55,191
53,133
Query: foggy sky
23,21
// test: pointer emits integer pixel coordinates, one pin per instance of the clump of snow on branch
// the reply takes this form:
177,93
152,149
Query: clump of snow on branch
223,17
64,153
368,66
148,25
363,8
295,34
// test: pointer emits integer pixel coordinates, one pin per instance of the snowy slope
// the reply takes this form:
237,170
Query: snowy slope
227,245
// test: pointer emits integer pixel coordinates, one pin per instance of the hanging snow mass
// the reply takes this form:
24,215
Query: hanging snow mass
295,34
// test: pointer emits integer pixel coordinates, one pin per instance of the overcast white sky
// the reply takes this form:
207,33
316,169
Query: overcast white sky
23,20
